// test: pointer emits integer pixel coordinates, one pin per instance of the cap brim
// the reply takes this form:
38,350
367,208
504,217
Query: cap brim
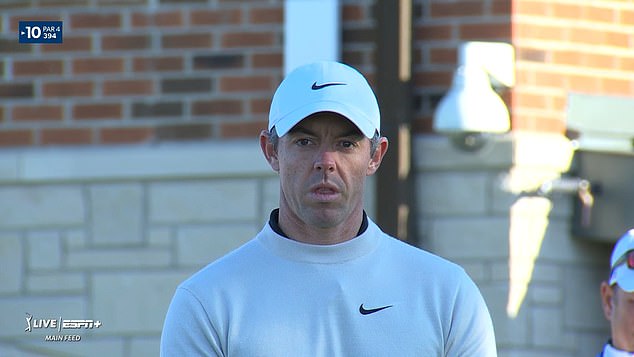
283,125
623,276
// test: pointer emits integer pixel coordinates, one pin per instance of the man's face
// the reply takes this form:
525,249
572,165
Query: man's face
618,307
323,162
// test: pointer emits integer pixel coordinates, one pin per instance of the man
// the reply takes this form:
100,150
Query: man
321,279
617,298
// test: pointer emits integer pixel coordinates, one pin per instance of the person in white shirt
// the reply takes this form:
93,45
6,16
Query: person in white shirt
617,298
321,278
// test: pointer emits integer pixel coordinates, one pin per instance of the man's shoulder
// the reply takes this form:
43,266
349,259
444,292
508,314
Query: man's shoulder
223,268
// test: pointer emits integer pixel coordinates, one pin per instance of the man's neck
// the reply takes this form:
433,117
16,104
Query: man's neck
293,228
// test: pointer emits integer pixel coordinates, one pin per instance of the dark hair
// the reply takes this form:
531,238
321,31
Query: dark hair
374,141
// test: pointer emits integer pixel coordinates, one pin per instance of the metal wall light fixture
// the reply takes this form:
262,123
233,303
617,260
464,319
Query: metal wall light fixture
472,110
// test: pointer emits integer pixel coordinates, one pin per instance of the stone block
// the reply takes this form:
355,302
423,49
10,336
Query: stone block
455,193
75,239
546,295
199,246
11,264
270,197
159,237
435,152
133,302
547,328
41,206
509,331
44,250
559,246
201,202
14,309
56,283
90,345
120,258
116,214
145,346
582,309
470,238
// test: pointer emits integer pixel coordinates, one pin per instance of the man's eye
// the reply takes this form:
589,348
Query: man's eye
348,144
303,142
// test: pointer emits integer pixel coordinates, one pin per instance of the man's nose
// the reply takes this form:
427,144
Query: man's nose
325,161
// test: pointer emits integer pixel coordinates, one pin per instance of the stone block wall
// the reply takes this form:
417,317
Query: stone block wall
108,234
480,209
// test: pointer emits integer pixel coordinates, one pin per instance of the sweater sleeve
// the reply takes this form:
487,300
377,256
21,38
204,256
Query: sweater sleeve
187,330
471,332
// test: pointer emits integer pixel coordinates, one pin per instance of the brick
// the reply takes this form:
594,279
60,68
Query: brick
250,84
626,64
186,85
215,17
161,19
97,65
152,64
77,136
13,46
588,36
259,106
485,31
16,90
97,111
600,14
191,40
125,42
532,55
179,132
529,100
248,39
538,8
11,263
217,107
268,60
358,35
199,246
164,109
617,39
567,11
456,9
617,86
134,311
443,56
39,206
94,21
70,44
433,78
626,16
38,68
14,21
44,250
125,135
567,57
117,214
540,32
599,60
198,202
38,112
18,137
266,15
352,12
61,3
128,87
117,3
67,89
232,61
501,7
433,32
231,130
583,83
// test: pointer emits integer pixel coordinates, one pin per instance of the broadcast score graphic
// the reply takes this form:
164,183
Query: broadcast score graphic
40,32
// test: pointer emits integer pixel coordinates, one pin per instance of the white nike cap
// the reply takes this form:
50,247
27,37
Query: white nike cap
622,273
325,87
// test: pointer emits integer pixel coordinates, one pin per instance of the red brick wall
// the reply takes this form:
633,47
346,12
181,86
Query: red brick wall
140,71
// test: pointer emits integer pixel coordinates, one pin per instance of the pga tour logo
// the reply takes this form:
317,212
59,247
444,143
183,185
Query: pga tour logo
59,325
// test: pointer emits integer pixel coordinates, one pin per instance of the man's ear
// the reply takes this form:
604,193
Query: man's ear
269,151
607,299
377,157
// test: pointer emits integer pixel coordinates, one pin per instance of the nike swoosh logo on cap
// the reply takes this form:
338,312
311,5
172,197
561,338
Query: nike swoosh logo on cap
324,85
365,311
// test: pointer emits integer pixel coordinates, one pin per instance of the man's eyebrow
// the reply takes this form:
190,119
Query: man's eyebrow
354,133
